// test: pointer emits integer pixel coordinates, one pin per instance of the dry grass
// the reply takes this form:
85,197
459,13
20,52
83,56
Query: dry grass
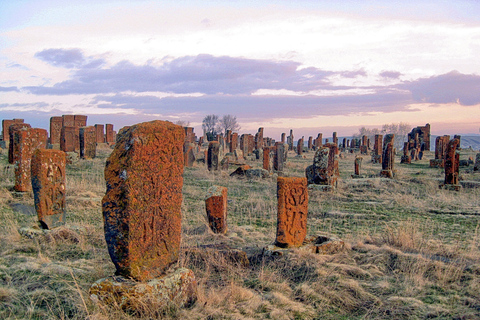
413,249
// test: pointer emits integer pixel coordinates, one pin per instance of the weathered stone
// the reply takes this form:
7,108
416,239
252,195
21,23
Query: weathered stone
300,144
377,149
421,137
100,135
292,196
406,157
70,139
324,170
216,206
88,143
452,163
178,288
141,207
310,143
11,132
80,121
189,156
68,120
259,139
56,124
319,141
212,157
48,182
358,164
5,127
240,171
279,157
477,163
257,173
290,140
109,133
388,157
266,158
25,142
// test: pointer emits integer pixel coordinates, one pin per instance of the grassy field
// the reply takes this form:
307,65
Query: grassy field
413,250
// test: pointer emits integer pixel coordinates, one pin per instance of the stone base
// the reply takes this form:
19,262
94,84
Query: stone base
318,245
178,287
451,187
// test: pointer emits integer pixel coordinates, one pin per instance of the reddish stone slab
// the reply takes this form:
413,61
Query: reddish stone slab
100,135
48,183
11,132
56,124
266,158
68,120
189,134
358,164
70,139
300,147
25,142
88,142
324,170
6,123
141,207
216,207
189,156
234,142
388,156
80,121
292,196
109,133
452,163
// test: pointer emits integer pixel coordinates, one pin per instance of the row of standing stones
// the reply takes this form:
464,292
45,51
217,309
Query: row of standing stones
141,207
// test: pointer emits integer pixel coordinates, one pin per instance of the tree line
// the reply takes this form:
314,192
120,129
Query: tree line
213,125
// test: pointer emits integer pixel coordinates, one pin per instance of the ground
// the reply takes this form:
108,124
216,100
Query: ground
412,249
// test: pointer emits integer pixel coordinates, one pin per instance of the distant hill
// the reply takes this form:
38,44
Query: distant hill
465,142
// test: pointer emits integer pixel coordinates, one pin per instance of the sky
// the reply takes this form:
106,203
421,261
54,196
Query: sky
310,66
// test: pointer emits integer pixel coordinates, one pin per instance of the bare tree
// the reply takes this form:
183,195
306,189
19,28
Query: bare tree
400,130
183,123
228,122
209,125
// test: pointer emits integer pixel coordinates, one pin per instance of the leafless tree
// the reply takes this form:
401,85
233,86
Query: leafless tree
228,122
183,123
209,125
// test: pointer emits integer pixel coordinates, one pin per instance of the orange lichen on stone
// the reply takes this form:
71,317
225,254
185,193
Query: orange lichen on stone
141,207
25,142
216,206
48,182
266,158
292,195
11,132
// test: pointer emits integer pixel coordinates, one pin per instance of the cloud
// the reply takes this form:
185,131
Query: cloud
68,58
202,73
7,89
446,88
391,74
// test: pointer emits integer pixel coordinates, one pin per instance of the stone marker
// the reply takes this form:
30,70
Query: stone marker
48,183
406,158
11,132
452,164
388,157
324,170
441,143
216,206
6,123
212,156
477,163
279,157
266,158
109,133
292,196
56,124
100,135
300,146
141,207
88,142
70,139
189,155
358,164
142,217
377,149
25,142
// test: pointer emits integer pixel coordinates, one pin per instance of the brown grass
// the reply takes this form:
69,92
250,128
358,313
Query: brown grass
413,250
